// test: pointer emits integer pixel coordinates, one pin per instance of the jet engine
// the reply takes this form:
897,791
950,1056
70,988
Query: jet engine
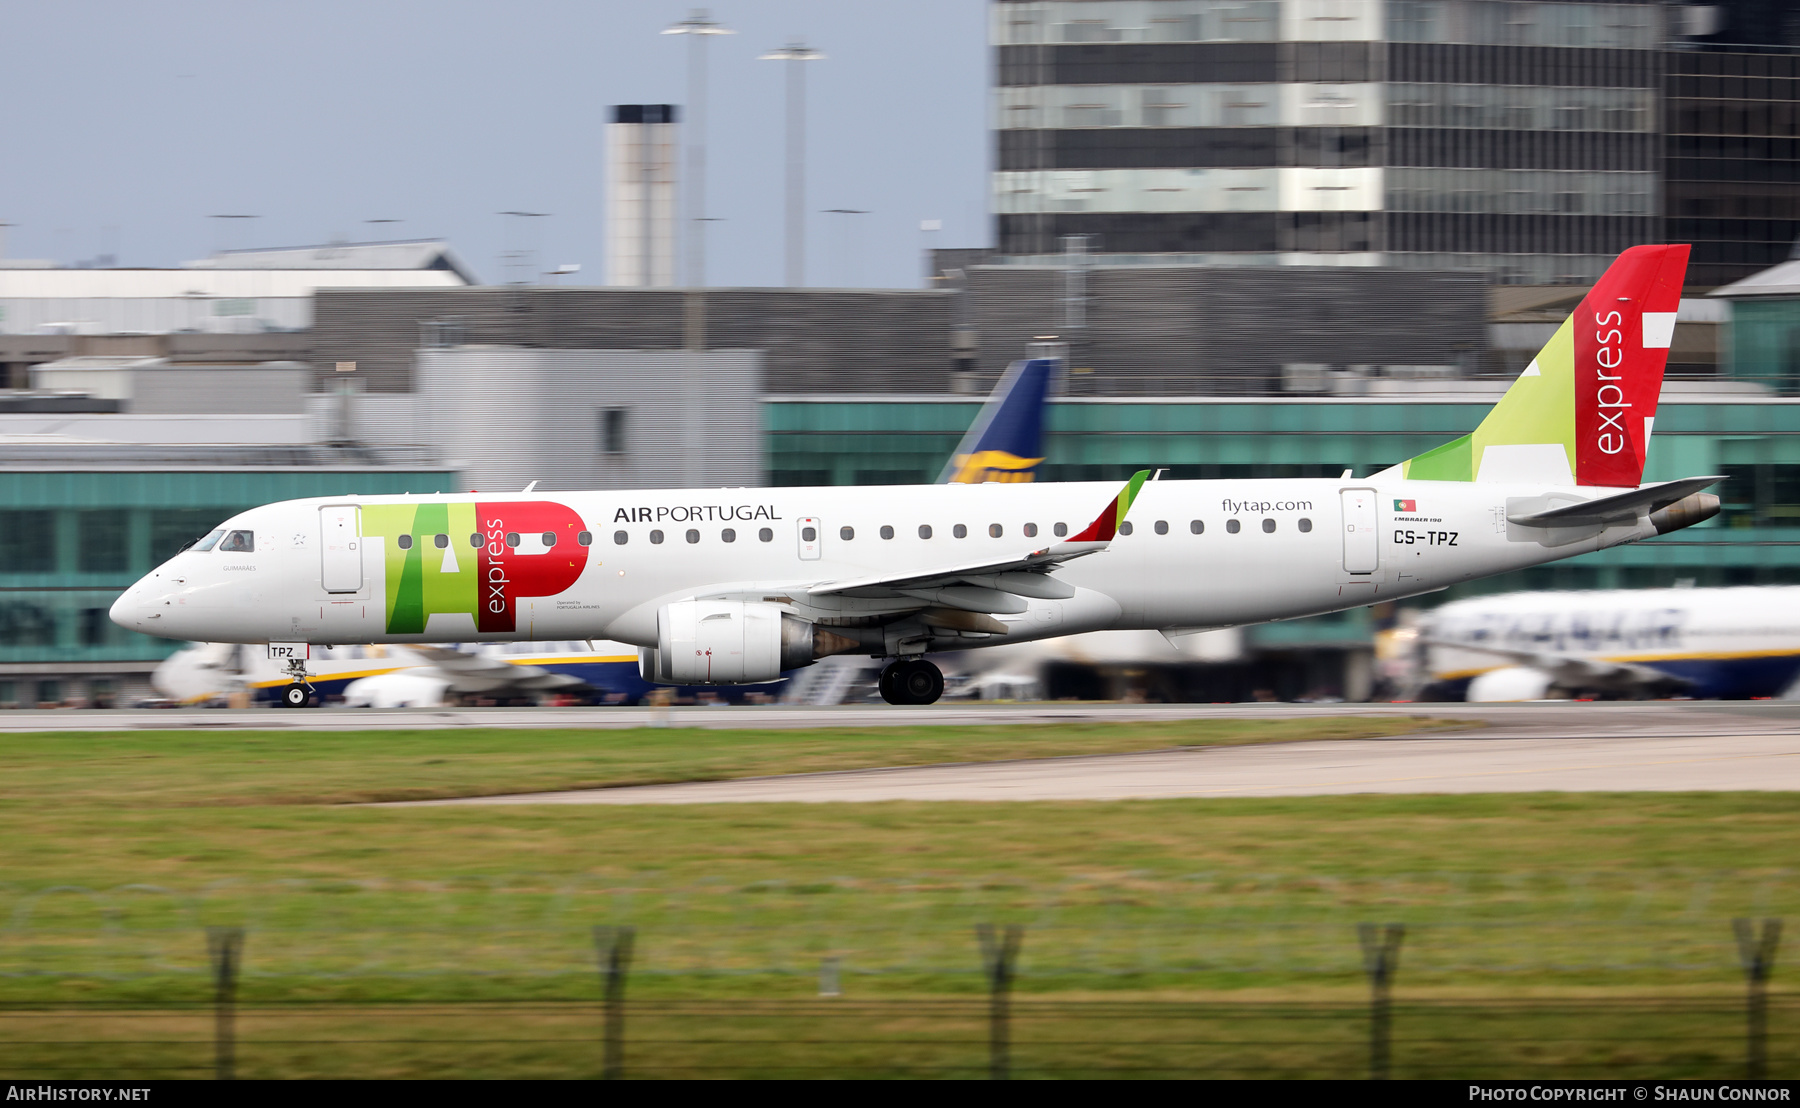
732,642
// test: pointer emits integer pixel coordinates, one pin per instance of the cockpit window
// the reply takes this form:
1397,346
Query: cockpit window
239,542
209,541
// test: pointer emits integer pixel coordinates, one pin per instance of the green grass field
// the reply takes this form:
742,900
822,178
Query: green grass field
118,850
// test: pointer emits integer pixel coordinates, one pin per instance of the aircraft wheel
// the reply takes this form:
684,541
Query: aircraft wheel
295,696
886,684
918,682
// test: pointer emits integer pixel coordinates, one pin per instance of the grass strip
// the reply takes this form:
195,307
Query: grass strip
206,768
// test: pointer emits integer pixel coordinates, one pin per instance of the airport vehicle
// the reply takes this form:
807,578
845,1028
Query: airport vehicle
733,586
1730,643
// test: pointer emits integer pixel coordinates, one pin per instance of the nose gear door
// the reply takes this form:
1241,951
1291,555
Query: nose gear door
340,543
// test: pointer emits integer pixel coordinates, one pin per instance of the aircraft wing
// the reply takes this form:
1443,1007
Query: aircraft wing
996,585
475,673
1570,671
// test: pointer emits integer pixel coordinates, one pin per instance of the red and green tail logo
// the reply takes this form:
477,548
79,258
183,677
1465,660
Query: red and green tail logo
1107,524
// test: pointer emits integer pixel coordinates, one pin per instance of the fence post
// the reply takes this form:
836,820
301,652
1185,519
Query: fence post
1756,953
1381,960
224,948
999,953
613,946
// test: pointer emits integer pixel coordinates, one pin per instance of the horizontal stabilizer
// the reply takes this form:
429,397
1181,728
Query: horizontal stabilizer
1545,511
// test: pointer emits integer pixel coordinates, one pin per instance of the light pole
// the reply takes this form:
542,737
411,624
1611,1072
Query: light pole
218,244
697,26
847,275
523,258
793,53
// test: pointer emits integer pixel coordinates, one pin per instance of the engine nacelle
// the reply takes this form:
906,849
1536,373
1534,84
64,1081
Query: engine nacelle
726,642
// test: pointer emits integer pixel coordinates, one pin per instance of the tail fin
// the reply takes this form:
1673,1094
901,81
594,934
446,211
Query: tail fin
1006,442
1581,412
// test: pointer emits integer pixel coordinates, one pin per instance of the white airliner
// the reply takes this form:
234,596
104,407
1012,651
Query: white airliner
1733,644
734,586
1004,443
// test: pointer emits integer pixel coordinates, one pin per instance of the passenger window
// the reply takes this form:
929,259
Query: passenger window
475,540
1197,526
693,535
960,531
584,538
404,542
1268,527
1125,528
1305,526
1060,530
765,535
512,539
846,533
209,541
728,535
809,534
995,530
1031,530
1231,527
549,539
1162,526
656,538
924,530
886,531
442,542
620,538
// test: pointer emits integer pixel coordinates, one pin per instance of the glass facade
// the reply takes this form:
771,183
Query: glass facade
1606,129
71,542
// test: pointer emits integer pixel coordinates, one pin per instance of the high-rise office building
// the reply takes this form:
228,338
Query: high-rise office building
1532,140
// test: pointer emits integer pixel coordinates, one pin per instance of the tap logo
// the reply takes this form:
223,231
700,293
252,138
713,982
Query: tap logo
492,555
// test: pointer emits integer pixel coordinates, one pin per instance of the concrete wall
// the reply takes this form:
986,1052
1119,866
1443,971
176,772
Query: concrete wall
508,415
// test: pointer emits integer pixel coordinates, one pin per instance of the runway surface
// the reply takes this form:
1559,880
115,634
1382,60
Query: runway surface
1516,748
1559,717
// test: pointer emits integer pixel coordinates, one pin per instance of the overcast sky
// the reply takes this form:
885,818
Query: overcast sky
127,124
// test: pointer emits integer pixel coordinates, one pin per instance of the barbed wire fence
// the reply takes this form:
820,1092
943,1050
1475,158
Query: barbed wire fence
1093,975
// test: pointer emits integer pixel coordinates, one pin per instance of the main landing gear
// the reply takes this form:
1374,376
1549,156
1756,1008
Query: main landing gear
300,693
911,681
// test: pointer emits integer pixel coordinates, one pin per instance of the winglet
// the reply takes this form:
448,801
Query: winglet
1106,524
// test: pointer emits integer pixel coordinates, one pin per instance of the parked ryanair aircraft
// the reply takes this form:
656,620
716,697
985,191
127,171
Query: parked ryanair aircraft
1005,443
1732,644
735,586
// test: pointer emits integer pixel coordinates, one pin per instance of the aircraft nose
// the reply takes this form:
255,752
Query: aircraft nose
135,609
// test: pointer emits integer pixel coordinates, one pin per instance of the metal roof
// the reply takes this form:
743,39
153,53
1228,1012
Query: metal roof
1777,280
411,254
204,284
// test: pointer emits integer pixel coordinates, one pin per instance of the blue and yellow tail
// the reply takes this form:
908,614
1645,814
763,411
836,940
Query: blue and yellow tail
1006,442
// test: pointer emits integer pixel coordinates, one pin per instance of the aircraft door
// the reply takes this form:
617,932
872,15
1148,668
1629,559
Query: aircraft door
340,543
1361,531
812,538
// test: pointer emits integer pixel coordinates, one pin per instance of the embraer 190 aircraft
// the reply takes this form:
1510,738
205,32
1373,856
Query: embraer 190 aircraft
734,586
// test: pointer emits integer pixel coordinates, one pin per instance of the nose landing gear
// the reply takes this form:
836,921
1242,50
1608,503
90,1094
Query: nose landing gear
300,693
911,681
